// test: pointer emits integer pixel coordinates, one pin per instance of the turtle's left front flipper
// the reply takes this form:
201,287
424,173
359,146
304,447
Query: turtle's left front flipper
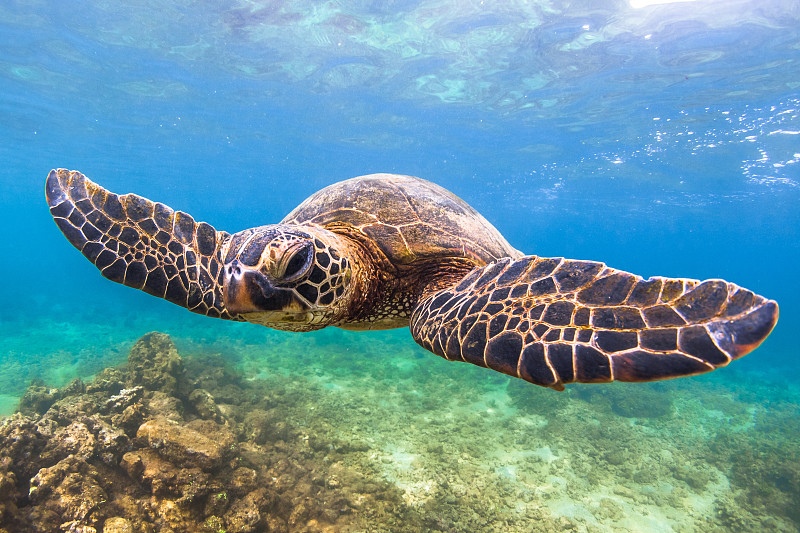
139,243
553,321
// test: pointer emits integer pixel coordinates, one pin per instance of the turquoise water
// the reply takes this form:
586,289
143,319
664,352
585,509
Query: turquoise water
662,140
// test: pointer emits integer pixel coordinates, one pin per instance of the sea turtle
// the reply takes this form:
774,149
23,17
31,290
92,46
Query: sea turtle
386,251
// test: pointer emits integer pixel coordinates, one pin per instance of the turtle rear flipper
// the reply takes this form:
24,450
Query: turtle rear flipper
139,243
553,321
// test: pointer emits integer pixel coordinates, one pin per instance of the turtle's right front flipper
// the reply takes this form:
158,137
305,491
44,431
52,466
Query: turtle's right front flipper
139,243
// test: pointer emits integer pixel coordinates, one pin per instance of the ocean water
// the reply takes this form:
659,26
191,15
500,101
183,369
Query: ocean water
661,139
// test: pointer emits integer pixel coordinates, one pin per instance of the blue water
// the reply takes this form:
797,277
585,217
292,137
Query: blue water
662,140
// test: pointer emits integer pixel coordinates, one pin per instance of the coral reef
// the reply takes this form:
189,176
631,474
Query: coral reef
144,448
377,437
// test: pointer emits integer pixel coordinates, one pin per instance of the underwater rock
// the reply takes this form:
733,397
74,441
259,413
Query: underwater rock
37,398
8,491
22,440
126,409
159,404
200,442
76,386
107,380
155,364
187,484
124,399
247,514
243,480
117,524
69,493
66,429
204,405
261,426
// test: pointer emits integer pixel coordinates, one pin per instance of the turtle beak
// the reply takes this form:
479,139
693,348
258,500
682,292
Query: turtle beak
246,290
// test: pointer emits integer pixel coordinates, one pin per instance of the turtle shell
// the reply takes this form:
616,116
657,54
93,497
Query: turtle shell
410,219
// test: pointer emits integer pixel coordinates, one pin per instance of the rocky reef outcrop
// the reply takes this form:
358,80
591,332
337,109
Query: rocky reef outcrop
154,446
356,443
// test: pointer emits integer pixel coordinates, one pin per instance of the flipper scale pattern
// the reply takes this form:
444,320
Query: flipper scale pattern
553,321
139,243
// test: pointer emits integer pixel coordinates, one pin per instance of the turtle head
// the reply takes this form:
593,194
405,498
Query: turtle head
286,277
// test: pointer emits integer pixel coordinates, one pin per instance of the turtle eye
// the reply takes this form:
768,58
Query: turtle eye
296,261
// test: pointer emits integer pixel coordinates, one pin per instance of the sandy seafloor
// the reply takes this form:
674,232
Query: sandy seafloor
471,450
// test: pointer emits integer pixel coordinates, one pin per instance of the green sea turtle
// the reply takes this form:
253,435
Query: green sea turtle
386,251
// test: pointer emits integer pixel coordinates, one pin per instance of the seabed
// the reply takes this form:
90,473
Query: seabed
247,431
